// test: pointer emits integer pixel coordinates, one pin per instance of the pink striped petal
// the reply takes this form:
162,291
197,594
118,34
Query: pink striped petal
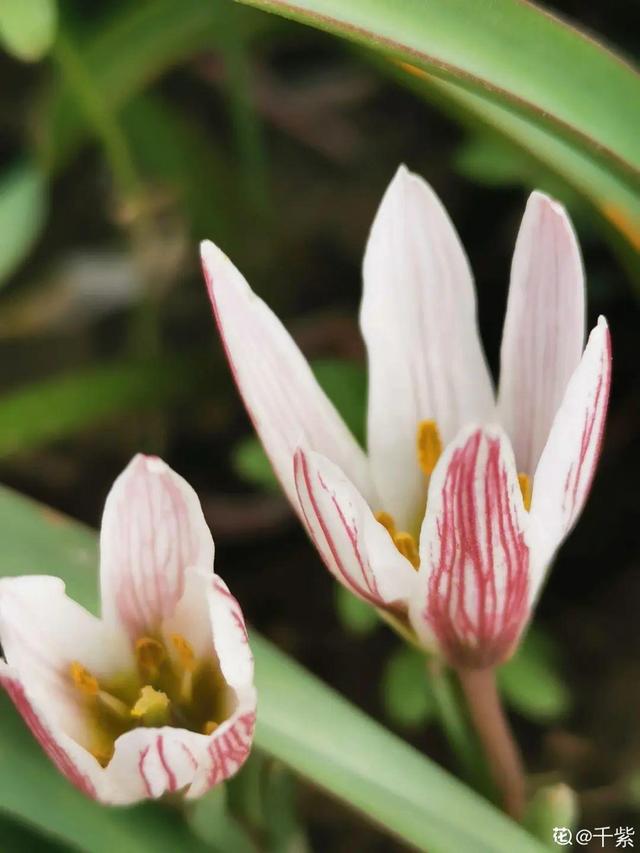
473,579
282,396
418,318
544,327
42,631
568,462
150,762
355,547
227,748
152,531
71,759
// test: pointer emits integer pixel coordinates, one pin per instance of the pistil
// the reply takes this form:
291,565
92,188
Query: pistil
152,707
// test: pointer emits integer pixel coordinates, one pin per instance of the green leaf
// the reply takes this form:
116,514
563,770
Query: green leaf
345,384
23,203
28,27
491,161
506,65
612,199
405,688
355,615
209,818
250,462
55,408
531,682
130,51
510,52
301,722
18,836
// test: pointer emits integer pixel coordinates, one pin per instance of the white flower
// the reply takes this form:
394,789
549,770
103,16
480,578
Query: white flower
476,493
156,696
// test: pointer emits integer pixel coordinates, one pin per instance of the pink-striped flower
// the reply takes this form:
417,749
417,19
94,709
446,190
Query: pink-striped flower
156,696
473,491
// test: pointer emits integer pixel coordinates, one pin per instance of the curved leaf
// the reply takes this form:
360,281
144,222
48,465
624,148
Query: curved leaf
509,51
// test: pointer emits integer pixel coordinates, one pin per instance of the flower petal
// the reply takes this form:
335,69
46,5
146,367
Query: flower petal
473,578
230,638
150,762
71,759
42,632
543,332
568,462
418,319
227,748
282,396
355,547
152,531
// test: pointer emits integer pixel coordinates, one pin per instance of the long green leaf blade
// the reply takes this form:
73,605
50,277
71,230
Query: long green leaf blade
509,51
301,721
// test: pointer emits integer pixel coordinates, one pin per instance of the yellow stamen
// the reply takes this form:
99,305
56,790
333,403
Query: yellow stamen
83,680
386,521
113,704
429,446
150,655
187,660
152,707
525,488
406,544
88,684
185,652
210,727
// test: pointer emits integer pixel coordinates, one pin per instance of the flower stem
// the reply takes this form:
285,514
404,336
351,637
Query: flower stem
501,750
455,726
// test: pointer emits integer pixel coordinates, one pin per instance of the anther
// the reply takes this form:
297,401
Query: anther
83,680
150,655
209,727
525,487
429,445
406,544
386,520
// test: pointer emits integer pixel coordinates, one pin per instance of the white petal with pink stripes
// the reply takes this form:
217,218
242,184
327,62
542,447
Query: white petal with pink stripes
158,695
445,455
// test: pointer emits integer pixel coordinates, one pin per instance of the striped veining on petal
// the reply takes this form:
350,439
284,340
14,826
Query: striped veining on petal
366,586
41,731
477,587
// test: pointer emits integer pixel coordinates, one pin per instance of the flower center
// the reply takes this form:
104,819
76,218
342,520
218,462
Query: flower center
170,686
429,448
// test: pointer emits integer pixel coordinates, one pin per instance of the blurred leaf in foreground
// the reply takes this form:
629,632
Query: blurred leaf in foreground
28,27
23,202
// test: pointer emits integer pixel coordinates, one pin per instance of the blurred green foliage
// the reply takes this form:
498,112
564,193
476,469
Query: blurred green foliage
27,30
